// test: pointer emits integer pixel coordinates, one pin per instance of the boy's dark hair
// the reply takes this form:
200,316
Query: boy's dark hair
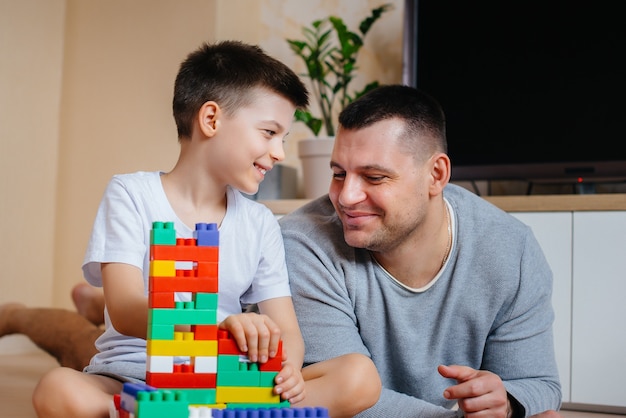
423,116
227,73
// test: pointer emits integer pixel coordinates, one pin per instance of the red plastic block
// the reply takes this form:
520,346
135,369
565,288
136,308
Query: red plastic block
207,269
204,332
274,364
161,300
226,344
182,380
184,250
183,284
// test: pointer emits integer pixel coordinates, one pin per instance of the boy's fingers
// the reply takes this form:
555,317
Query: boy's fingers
234,326
274,338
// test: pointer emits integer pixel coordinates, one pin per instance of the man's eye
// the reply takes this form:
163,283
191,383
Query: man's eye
339,175
375,179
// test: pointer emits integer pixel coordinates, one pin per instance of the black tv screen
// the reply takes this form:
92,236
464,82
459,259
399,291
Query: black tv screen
532,90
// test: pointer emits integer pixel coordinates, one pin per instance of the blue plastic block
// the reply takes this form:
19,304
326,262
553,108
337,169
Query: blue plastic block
207,235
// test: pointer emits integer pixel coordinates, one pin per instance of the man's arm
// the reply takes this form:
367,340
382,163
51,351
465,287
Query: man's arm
520,349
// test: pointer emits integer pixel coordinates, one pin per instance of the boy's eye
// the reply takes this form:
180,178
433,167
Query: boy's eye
269,132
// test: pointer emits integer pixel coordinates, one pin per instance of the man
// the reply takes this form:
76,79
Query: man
448,295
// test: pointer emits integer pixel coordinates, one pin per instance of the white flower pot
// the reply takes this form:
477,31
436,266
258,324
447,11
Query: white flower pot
315,154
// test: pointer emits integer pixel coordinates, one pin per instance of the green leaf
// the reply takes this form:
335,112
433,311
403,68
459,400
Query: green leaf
314,124
329,51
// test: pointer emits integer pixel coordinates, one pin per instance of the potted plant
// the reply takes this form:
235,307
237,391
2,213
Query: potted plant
330,52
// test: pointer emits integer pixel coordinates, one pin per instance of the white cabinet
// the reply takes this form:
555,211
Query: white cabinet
553,230
599,314
587,254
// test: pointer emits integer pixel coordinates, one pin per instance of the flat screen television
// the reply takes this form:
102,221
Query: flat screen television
533,90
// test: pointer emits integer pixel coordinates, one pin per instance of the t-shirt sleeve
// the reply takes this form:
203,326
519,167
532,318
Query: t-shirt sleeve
117,235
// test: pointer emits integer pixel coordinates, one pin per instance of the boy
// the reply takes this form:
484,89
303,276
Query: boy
233,107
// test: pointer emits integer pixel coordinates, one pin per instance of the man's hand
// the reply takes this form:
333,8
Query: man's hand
256,334
479,393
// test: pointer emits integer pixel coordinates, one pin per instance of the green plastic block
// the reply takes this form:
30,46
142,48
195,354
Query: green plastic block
199,396
162,404
160,332
239,378
227,363
206,300
165,316
163,233
266,379
282,404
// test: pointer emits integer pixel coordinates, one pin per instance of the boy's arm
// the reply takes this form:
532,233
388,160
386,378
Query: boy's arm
125,299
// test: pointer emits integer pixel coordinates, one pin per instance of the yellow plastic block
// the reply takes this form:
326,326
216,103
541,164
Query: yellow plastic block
163,268
196,348
232,394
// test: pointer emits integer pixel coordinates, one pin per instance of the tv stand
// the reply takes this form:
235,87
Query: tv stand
577,187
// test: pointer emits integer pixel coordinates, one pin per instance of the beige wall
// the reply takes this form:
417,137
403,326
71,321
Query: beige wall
121,58
31,52
85,92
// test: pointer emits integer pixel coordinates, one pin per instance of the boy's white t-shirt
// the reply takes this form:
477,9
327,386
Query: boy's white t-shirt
252,257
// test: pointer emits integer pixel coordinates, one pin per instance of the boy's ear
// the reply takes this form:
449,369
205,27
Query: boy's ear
209,118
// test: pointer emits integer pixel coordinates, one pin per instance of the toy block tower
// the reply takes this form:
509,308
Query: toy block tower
215,379
185,330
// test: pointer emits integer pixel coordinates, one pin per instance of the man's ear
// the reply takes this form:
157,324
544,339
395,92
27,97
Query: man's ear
209,118
440,172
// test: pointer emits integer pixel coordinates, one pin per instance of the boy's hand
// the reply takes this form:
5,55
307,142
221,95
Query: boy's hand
255,334
289,384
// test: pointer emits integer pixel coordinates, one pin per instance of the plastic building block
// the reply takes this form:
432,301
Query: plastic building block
162,404
260,412
205,364
205,301
161,300
160,364
207,234
129,395
182,380
185,249
204,332
163,233
241,394
182,316
163,268
190,348
184,284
